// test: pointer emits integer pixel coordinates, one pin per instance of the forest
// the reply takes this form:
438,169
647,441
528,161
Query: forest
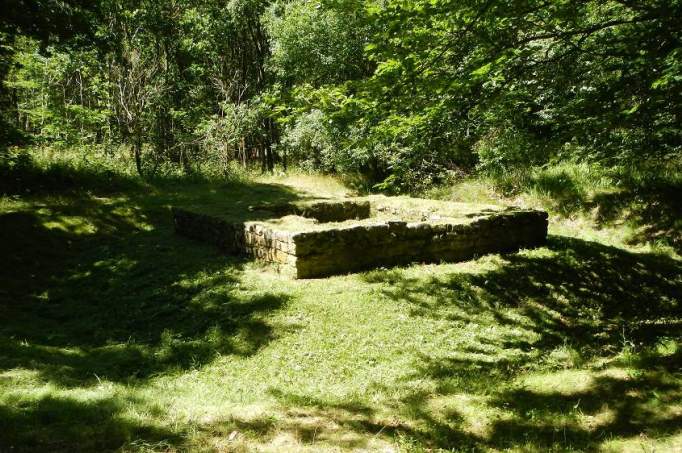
404,94
118,334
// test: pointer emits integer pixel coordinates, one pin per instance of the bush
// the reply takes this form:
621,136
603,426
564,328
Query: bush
505,149
308,142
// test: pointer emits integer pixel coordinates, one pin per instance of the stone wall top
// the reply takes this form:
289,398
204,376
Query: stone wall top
320,210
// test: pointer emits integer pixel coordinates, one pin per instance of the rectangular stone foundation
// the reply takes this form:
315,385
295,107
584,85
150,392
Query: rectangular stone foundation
328,249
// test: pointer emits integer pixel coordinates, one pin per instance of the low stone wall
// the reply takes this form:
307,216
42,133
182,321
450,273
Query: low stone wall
267,244
227,236
336,249
329,252
259,240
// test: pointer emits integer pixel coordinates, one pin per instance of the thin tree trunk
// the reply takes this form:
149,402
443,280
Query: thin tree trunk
137,149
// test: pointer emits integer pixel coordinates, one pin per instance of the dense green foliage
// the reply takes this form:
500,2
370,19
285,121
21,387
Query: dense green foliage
402,92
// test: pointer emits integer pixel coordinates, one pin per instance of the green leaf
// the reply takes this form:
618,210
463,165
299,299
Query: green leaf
483,70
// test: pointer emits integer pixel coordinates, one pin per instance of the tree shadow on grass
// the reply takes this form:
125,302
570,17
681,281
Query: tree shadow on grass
563,410
566,194
650,203
609,406
314,424
54,424
101,288
97,287
591,295
654,208
533,311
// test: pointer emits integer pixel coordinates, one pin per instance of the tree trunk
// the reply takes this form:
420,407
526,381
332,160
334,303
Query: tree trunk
137,149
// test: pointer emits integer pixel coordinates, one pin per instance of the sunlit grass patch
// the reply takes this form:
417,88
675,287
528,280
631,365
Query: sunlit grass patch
320,185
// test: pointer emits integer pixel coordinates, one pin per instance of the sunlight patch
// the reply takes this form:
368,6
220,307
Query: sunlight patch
566,382
134,216
19,376
71,224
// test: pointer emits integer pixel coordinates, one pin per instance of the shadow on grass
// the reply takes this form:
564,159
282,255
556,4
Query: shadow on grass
611,406
534,310
97,287
64,424
594,296
306,421
566,356
654,207
101,289
577,296
567,195
649,202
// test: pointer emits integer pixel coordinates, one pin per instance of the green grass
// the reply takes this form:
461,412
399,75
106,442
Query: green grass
117,334
636,208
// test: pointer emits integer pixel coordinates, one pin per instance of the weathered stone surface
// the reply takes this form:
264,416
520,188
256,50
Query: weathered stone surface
321,210
359,248
227,236
327,249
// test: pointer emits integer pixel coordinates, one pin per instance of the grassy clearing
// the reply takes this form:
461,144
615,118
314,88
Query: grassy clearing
119,335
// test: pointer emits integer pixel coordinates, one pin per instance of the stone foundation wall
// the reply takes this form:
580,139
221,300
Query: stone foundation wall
227,236
336,250
251,238
329,252
267,244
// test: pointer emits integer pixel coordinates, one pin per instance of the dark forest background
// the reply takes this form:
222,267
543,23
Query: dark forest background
403,93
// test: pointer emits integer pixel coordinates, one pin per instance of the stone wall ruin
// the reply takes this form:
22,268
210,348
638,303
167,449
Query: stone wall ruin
322,238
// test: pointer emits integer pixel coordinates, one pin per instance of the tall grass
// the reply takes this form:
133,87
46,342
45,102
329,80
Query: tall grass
94,167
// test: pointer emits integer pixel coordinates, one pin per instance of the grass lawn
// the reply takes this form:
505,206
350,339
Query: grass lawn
117,334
